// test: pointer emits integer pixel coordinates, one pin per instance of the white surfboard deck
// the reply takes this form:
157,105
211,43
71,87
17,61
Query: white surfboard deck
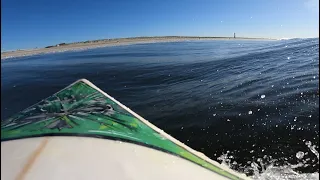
72,157
82,158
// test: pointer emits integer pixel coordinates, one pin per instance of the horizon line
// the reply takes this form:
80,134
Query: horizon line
167,36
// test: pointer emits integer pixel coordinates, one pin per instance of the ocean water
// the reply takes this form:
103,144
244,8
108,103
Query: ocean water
253,105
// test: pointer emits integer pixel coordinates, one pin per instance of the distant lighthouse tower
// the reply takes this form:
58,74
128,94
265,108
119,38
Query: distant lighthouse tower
234,35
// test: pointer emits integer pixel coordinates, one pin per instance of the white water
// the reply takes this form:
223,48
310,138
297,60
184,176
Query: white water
272,172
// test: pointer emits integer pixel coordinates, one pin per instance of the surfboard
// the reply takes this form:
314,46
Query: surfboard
81,132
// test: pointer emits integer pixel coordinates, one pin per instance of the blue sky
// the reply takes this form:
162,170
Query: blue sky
38,23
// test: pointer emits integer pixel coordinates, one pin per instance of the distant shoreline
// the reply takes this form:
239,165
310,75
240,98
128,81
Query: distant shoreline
111,42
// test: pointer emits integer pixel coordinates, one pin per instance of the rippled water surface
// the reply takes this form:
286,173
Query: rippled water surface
251,104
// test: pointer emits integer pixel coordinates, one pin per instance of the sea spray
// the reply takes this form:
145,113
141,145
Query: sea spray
261,171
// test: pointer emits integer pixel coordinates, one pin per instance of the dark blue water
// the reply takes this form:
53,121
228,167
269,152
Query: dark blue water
256,100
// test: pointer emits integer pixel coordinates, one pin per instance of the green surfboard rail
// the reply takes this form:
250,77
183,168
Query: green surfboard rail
81,110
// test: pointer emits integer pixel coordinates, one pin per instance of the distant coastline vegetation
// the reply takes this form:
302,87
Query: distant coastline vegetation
65,46
146,37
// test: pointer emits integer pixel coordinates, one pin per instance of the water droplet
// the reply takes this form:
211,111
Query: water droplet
295,119
300,155
272,85
214,114
263,96
182,127
310,116
228,120
250,112
288,57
